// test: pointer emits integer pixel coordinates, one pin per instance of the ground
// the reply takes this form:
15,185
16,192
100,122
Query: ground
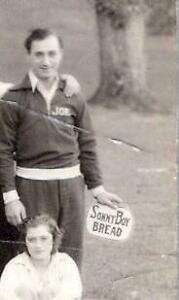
144,266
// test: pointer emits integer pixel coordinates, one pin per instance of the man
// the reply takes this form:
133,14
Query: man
36,122
8,233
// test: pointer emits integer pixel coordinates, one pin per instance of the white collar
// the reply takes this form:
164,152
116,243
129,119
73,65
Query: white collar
35,81
25,260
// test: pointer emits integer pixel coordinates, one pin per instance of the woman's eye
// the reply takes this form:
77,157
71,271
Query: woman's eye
44,238
30,240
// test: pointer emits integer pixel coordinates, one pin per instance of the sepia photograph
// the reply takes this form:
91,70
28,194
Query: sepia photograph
88,204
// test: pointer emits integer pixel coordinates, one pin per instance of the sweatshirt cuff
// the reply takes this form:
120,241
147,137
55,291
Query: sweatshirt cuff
97,190
10,196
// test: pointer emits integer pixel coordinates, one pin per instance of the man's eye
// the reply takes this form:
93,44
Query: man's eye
52,53
39,54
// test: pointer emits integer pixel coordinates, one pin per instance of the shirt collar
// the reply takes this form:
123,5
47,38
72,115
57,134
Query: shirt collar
24,260
35,82
27,84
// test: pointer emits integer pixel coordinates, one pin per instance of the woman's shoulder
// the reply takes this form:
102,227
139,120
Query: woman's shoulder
63,258
19,259
64,263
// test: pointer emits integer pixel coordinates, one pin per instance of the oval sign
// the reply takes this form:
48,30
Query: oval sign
113,224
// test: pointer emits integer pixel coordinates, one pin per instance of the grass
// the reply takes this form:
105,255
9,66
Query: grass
150,252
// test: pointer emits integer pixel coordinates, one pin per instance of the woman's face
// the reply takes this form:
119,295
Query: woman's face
39,242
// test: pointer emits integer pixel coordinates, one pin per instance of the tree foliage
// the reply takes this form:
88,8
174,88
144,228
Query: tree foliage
162,16
161,13
118,11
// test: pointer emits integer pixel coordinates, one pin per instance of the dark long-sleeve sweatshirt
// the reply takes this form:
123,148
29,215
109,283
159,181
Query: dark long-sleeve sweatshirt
42,138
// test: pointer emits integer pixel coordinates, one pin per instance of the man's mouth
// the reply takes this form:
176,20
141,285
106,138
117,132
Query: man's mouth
45,68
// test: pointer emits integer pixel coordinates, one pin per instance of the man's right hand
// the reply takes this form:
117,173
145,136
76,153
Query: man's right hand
15,212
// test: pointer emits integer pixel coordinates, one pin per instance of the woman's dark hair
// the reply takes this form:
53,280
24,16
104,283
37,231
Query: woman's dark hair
51,224
40,34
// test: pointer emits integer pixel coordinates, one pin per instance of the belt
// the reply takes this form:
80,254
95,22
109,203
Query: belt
48,174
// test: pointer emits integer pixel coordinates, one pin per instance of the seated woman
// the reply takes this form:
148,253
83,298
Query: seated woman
41,272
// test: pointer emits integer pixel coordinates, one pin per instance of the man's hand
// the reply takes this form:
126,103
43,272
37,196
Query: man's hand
109,199
15,212
4,87
72,86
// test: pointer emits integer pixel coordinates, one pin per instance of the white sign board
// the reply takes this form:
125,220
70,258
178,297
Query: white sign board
114,224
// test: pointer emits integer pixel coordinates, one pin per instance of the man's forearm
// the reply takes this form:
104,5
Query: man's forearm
8,132
97,191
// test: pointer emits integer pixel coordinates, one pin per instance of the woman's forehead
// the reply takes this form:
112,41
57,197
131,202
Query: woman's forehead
39,230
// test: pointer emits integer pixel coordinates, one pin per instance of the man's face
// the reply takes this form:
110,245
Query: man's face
45,57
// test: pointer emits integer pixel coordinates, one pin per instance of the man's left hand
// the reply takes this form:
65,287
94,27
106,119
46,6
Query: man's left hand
109,199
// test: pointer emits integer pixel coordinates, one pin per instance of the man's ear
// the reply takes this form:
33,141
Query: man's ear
27,58
61,57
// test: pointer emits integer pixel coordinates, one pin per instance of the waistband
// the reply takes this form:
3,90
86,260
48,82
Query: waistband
48,174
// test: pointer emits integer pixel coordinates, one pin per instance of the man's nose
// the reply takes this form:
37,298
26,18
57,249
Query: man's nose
46,60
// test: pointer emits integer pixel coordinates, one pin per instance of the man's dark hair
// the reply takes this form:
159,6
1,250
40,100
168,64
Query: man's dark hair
39,34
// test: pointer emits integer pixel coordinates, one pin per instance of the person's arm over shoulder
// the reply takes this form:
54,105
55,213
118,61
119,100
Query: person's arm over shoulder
87,146
71,85
4,87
